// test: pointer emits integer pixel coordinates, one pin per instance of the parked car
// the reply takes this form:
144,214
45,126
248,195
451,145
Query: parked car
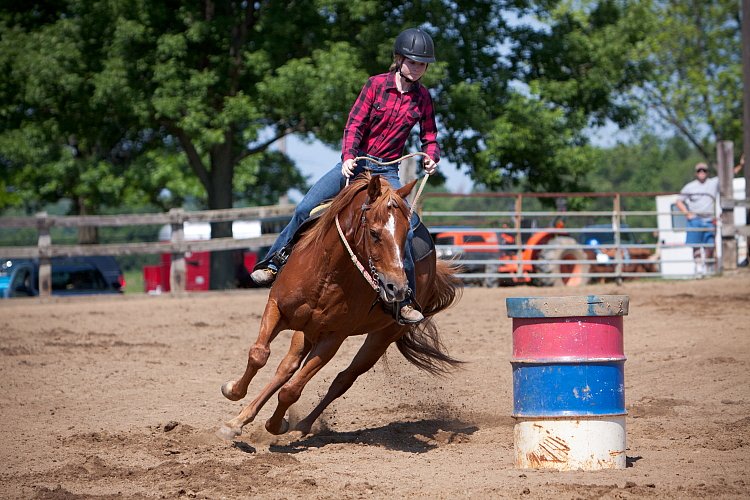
469,245
70,276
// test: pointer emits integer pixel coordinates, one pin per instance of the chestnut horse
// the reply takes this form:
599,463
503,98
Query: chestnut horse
328,290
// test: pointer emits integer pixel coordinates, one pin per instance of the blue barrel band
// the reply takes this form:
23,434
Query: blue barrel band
568,389
561,307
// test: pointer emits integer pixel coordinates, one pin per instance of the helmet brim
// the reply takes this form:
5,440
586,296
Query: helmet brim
421,59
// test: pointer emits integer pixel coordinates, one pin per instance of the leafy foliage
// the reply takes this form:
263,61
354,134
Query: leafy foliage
696,81
115,101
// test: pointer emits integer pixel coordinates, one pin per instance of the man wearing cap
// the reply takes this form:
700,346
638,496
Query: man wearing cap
698,202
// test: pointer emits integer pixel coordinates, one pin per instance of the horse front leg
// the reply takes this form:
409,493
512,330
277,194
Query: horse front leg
290,393
257,357
298,348
369,353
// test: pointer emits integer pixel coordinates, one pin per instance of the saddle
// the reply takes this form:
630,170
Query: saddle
421,246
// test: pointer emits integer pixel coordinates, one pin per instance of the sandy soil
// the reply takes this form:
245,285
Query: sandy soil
119,397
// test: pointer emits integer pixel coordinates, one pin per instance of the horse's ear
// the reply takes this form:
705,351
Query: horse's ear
373,188
403,192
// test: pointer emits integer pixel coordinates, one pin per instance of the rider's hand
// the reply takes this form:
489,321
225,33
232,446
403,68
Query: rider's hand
347,168
429,166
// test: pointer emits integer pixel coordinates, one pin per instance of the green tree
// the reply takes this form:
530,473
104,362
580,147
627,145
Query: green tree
569,63
696,84
647,163
158,94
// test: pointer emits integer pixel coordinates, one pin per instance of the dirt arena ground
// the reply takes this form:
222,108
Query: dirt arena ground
119,398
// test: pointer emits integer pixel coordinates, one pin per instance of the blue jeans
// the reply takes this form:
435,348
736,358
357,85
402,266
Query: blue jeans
699,237
328,187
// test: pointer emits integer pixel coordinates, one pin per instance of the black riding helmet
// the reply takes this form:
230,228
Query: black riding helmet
416,45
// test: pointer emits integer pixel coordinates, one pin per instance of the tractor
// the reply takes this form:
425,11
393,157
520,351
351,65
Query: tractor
545,258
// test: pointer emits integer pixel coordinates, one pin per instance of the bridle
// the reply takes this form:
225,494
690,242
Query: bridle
371,275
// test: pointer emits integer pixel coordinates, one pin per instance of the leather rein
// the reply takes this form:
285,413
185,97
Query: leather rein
371,275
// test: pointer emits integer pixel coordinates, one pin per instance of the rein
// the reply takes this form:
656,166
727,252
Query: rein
384,163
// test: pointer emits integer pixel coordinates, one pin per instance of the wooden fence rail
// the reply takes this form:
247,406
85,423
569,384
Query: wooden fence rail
178,247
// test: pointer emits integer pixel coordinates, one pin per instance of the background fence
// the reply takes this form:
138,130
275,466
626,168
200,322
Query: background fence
177,246
546,238
498,238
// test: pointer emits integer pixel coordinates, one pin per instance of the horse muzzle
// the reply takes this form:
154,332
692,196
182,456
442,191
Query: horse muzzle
392,290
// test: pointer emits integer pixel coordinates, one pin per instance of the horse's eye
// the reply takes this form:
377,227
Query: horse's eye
375,234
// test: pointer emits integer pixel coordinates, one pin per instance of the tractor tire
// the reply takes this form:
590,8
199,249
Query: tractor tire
577,270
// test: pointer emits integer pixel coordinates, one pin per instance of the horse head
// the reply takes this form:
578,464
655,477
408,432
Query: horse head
381,238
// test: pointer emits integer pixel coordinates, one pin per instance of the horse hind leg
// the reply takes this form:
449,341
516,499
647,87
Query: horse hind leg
369,353
291,362
234,390
290,393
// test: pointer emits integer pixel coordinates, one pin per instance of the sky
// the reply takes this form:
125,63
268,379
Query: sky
315,159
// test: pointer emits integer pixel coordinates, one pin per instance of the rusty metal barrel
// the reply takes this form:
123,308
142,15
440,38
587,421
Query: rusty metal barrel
568,381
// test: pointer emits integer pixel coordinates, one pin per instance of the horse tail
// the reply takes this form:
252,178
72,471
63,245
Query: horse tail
421,344
446,288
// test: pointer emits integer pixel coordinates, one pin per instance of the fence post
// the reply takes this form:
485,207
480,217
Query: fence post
177,271
43,243
616,226
724,167
519,235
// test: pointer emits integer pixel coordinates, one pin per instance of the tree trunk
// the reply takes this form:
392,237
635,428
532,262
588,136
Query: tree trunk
87,235
224,262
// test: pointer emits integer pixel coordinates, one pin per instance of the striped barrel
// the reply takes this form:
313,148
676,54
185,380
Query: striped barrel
568,381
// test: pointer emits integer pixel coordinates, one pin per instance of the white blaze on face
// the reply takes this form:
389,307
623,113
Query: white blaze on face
390,226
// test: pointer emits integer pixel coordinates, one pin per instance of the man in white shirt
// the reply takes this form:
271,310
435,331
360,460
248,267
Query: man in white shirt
698,202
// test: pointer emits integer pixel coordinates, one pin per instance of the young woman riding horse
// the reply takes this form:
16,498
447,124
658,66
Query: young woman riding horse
379,125
335,284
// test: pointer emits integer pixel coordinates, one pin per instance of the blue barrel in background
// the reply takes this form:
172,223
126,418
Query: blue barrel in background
568,381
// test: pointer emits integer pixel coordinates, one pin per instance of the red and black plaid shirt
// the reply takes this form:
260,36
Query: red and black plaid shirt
382,118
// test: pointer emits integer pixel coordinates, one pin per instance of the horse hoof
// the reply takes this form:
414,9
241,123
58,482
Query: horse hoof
283,427
302,429
226,390
228,433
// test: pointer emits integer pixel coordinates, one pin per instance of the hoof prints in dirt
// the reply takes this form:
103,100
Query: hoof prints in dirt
187,460
655,407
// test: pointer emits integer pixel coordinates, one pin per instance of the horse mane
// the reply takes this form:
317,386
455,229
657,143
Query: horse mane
343,200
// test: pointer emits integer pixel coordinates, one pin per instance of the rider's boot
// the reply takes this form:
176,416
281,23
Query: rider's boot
263,277
266,271
410,316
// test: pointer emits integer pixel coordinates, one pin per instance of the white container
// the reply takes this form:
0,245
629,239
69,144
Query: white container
570,443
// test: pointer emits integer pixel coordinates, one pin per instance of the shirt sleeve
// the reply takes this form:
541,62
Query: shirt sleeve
683,193
428,128
355,125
